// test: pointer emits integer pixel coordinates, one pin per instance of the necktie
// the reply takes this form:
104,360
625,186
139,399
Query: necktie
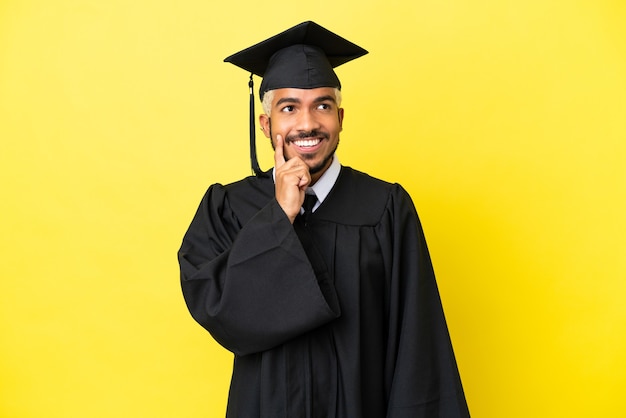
309,202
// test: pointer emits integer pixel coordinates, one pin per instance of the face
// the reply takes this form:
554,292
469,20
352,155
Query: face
309,121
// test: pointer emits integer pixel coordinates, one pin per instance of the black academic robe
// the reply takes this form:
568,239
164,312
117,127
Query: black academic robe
351,327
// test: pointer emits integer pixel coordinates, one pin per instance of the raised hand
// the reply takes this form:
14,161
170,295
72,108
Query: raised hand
292,179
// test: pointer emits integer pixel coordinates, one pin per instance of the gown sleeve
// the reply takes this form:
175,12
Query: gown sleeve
422,374
251,286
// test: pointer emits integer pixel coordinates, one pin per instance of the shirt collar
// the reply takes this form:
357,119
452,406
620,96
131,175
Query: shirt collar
323,186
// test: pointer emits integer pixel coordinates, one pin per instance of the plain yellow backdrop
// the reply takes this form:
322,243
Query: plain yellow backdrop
505,120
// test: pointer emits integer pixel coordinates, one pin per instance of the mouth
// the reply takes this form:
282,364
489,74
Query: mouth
306,143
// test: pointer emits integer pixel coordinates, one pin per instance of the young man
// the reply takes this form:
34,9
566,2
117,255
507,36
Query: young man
317,276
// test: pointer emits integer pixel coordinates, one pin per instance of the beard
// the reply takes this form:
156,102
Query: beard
324,164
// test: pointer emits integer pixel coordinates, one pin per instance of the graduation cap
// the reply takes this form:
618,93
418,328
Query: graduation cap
301,57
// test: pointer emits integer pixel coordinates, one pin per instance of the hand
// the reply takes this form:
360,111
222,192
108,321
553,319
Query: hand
292,179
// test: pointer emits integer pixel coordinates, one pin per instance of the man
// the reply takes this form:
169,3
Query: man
317,276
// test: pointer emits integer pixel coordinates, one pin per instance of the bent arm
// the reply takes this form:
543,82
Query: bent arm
423,375
252,288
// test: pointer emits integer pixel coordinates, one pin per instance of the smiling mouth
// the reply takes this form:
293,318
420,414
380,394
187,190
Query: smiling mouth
306,140
306,143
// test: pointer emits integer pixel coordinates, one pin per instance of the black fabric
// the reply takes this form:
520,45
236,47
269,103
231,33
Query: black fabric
298,66
310,199
362,335
302,56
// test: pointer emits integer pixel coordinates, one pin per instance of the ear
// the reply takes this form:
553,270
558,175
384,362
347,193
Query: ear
340,116
264,121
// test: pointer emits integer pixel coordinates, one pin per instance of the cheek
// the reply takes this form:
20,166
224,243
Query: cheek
333,122
335,127
278,127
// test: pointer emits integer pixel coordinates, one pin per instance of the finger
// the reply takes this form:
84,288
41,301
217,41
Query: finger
305,179
297,170
279,156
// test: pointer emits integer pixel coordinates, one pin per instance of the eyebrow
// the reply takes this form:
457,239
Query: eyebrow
287,100
296,100
325,99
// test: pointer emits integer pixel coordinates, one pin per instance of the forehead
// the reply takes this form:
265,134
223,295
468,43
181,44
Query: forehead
303,95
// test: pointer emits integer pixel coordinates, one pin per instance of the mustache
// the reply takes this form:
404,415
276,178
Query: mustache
307,135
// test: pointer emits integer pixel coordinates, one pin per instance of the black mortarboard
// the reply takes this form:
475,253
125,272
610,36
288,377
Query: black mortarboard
300,57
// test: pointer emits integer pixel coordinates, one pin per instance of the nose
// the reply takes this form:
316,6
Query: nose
307,121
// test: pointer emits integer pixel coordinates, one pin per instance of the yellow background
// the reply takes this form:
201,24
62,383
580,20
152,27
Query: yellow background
505,120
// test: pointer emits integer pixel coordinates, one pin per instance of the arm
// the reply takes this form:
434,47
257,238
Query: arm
423,376
251,287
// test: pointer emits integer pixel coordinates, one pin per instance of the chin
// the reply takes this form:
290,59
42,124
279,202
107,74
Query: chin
321,166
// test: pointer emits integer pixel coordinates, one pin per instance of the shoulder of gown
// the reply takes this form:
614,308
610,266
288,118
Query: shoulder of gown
361,200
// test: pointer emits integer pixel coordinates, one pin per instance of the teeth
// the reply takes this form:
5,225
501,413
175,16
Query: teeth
306,142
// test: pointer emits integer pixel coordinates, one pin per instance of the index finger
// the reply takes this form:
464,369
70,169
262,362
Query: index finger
279,156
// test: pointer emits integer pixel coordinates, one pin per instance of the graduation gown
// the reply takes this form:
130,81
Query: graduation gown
343,319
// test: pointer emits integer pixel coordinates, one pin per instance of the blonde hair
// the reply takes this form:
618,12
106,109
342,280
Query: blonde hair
268,98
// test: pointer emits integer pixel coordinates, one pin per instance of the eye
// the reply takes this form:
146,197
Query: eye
287,109
324,106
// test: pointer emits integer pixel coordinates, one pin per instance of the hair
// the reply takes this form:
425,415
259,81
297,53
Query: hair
268,97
